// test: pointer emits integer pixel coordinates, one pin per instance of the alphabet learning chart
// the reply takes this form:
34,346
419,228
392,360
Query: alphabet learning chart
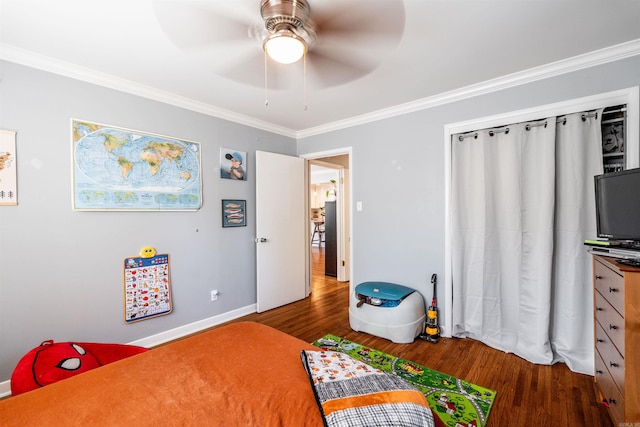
147,287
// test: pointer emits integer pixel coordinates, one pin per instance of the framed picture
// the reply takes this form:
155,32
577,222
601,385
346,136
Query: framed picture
233,164
122,169
8,174
233,213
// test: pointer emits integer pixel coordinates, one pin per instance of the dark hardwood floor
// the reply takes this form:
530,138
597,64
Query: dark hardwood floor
527,394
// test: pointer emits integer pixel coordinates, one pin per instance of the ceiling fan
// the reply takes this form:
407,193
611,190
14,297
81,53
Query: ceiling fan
339,40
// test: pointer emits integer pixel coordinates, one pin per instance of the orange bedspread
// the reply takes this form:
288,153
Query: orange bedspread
243,374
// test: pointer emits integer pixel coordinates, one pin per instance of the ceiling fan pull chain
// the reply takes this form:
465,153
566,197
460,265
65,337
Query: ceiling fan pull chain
266,99
304,79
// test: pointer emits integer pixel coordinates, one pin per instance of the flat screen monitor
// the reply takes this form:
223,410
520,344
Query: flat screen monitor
618,205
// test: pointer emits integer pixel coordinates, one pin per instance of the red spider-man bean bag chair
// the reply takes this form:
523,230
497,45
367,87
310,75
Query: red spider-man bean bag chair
51,362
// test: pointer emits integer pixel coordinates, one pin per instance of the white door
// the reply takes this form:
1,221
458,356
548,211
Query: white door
343,230
280,230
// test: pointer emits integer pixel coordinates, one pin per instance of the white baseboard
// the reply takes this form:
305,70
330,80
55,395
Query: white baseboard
194,327
5,389
171,334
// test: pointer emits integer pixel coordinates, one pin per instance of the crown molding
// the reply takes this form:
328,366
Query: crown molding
24,57
587,60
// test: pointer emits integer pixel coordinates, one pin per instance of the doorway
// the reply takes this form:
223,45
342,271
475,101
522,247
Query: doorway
323,180
329,217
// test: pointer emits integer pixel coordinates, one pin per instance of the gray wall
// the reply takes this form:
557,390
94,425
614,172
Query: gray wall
398,172
61,270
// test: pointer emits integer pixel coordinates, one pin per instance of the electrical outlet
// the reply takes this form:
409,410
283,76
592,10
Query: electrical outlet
214,295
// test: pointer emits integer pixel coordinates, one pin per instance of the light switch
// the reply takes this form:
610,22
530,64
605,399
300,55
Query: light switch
359,206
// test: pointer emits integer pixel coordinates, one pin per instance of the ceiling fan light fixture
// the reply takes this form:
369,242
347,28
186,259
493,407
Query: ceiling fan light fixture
285,46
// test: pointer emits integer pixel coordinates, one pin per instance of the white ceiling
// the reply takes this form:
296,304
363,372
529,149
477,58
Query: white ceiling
322,175
446,45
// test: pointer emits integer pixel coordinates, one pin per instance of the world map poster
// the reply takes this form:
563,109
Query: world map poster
116,168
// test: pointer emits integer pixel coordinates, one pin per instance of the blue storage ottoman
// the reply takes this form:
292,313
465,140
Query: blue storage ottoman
387,310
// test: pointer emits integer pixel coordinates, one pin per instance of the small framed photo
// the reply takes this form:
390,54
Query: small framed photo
234,213
233,164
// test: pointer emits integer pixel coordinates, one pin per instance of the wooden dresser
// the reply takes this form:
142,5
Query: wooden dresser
617,338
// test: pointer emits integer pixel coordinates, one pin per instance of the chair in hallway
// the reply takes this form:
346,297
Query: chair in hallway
318,230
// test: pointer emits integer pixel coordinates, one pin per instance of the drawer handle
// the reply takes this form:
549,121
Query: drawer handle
612,290
614,327
599,340
598,371
613,364
599,308
598,277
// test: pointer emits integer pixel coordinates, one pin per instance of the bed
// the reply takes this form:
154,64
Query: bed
242,374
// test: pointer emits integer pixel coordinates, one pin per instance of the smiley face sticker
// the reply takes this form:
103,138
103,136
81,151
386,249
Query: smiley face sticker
147,252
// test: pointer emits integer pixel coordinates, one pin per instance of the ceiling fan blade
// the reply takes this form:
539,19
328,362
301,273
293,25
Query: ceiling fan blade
376,21
353,38
329,67
199,24
249,70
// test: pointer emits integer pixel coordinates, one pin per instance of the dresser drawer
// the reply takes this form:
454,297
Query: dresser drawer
611,286
612,359
610,320
609,393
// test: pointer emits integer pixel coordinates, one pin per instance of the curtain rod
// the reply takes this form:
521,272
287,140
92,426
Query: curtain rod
619,110
561,119
492,132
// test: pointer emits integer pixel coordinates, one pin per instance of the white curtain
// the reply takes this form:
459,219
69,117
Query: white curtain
521,207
